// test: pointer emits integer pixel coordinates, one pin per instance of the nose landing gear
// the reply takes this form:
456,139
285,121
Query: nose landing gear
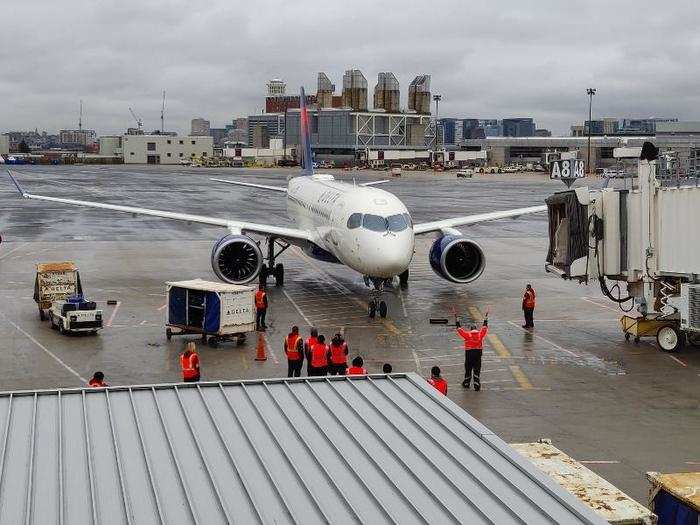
376,303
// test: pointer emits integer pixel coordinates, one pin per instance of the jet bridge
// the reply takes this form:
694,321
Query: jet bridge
641,243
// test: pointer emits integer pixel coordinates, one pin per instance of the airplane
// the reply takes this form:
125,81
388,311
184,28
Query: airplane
362,227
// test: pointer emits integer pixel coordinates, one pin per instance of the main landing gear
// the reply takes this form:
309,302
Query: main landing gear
272,269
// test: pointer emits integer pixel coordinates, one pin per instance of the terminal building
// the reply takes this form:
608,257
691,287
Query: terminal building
4,144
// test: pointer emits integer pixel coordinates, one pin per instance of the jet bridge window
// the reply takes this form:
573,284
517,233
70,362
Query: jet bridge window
374,223
354,221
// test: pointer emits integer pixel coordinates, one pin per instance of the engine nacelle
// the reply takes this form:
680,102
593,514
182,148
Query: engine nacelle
457,259
236,259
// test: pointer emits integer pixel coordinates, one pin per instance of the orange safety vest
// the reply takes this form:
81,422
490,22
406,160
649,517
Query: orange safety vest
339,354
293,341
260,300
310,342
473,339
319,355
357,371
440,384
189,365
529,299
94,383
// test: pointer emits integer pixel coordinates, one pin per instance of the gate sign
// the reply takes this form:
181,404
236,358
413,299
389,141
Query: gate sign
567,169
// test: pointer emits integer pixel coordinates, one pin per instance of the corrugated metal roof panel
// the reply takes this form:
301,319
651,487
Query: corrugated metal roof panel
377,449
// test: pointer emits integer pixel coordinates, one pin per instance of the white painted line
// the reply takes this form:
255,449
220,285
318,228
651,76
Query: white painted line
677,360
6,254
403,304
114,313
599,462
554,345
297,307
161,308
49,352
269,351
588,300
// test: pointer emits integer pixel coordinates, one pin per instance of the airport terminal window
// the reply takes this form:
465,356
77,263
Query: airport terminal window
182,142
151,146
374,223
193,142
354,221
396,223
170,142
170,154
182,154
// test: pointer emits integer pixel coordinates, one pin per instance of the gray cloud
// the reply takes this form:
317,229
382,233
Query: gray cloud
488,59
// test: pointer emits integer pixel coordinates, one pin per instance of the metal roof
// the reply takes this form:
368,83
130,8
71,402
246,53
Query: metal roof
371,449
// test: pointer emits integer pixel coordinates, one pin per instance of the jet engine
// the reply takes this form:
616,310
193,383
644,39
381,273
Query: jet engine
236,259
457,259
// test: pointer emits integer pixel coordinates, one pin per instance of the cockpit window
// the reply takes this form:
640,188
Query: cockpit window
354,221
408,220
374,223
396,223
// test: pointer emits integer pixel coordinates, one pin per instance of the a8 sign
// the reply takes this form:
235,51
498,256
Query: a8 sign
567,169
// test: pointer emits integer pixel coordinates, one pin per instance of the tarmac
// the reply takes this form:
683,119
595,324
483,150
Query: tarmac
622,409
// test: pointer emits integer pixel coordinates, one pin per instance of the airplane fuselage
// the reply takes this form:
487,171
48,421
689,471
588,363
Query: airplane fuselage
364,228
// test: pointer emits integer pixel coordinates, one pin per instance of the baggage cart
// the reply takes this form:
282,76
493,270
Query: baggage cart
55,282
217,311
675,498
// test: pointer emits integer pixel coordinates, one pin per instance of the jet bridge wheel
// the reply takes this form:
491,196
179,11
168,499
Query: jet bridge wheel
670,338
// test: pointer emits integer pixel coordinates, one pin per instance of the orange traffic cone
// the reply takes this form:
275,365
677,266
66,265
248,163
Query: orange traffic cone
261,356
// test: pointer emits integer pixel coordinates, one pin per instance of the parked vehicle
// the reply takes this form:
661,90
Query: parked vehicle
75,315
396,171
465,173
55,282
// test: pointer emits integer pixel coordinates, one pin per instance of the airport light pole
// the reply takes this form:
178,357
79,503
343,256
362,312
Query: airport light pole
437,98
590,92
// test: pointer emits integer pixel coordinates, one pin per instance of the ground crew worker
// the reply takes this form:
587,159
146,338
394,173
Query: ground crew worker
529,306
337,357
387,368
97,380
473,348
438,382
308,345
189,362
260,307
294,348
318,358
357,369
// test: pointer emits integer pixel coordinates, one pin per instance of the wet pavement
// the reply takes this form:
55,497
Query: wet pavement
622,408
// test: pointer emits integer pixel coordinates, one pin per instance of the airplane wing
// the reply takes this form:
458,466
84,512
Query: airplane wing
374,182
252,185
236,227
448,224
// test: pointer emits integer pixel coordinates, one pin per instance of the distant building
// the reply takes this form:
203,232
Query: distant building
4,144
111,145
491,127
219,135
543,133
75,137
200,126
451,131
273,124
626,126
578,130
518,127
355,90
277,100
386,93
325,91
419,95
643,126
164,149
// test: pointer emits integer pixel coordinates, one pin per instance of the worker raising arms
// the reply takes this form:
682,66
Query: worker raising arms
294,349
473,348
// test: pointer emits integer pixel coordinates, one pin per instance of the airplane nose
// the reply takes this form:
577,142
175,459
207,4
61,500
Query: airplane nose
391,255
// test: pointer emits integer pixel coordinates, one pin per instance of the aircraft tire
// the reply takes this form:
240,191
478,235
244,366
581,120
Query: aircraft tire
382,309
372,309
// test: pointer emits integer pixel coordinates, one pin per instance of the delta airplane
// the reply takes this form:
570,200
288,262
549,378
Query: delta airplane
365,228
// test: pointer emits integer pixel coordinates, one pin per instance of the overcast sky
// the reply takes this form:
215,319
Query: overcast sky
489,59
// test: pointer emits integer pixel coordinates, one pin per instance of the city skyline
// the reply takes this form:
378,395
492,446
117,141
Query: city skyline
512,59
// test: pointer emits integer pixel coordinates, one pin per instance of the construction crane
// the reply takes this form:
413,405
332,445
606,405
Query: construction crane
139,122
162,115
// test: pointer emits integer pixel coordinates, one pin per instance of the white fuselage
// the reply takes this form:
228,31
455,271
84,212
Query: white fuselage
365,228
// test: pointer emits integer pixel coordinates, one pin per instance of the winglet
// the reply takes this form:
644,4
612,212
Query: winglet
307,160
14,181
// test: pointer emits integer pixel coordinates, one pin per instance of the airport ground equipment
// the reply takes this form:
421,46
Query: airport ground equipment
75,315
216,311
675,498
55,282
644,239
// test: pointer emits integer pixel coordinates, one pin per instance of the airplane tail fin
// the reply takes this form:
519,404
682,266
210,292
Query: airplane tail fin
307,161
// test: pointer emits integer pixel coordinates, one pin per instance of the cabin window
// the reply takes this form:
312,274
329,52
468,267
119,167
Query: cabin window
354,221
